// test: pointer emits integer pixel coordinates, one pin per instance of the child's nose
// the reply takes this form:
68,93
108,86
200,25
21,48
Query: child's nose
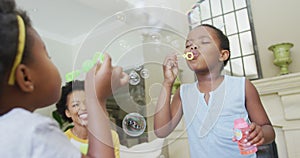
194,47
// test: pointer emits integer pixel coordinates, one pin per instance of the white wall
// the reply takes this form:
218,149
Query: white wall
276,21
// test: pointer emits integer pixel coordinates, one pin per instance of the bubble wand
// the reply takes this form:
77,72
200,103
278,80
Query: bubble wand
86,66
188,56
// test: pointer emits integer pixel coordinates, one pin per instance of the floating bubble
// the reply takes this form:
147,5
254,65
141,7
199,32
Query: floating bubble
156,36
139,68
175,43
134,78
134,124
124,44
168,39
121,17
145,73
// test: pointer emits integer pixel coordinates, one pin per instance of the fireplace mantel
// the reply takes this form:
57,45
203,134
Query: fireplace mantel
280,96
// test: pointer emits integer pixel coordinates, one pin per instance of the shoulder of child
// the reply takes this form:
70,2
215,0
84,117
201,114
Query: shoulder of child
25,119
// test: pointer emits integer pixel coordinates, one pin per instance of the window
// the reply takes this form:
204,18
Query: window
234,18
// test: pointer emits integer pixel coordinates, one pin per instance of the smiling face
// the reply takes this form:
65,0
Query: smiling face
76,108
204,43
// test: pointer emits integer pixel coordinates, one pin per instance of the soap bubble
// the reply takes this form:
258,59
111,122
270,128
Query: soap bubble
139,68
134,78
175,43
145,73
134,124
168,39
121,16
156,37
151,40
124,44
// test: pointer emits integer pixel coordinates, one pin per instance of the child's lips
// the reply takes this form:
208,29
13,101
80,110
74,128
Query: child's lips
192,55
195,53
83,116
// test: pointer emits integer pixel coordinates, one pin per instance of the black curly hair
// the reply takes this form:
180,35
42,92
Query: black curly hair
9,32
61,105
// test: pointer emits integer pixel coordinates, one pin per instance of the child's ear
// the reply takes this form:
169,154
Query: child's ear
67,112
224,55
24,78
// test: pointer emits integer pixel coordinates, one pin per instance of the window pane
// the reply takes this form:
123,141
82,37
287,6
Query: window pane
227,69
235,48
230,23
237,67
194,25
250,67
239,4
216,7
207,22
218,23
194,17
243,20
205,10
246,42
227,6
232,17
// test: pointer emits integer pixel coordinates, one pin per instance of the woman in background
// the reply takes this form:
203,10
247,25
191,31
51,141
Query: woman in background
72,107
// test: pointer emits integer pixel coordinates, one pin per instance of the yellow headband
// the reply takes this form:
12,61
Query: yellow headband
21,45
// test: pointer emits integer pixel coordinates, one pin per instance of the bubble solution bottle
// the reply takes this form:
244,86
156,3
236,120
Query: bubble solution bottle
241,129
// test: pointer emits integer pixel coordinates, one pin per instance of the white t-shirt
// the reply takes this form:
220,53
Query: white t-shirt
29,135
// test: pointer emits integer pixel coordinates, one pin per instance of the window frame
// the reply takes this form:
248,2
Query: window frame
193,21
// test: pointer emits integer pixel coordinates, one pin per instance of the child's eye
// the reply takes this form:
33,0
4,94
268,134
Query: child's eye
187,46
75,105
205,42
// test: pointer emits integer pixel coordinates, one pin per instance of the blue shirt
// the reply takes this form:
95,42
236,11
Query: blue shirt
210,126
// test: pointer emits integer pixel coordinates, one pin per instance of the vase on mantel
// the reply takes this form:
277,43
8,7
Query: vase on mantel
282,57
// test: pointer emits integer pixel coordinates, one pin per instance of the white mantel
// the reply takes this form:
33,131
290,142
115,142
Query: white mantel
281,99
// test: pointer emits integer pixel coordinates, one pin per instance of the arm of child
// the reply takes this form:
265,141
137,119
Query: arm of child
167,115
261,129
98,87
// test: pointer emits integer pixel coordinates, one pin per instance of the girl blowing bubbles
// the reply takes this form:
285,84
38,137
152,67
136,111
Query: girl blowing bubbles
213,102
29,80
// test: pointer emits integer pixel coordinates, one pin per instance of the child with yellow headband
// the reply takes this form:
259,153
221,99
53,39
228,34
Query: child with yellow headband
24,68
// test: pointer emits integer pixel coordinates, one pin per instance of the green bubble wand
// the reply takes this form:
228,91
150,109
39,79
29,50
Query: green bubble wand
86,66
